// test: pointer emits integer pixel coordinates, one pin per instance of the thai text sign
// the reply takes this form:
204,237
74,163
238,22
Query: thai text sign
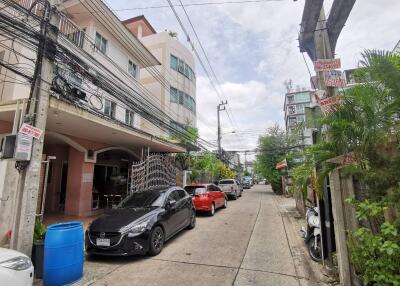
334,78
327,65
330,104
30,131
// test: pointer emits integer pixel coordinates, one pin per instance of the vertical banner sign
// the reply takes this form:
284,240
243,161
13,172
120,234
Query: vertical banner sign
327,65
334,78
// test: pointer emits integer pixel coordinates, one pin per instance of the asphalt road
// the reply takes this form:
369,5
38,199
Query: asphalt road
245,244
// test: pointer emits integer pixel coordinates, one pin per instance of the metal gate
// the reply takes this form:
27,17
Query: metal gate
157,171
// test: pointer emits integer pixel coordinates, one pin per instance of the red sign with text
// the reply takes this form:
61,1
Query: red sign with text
30,131
327,65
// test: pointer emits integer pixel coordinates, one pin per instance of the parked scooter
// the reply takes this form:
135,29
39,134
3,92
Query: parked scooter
312,234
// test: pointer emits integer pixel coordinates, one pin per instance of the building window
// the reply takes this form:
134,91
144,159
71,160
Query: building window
302,97
181,66
174,97
290,98
178,96
129,117
101,43
132,68
174,63
292,120
109,108
177,127
181,97
292,109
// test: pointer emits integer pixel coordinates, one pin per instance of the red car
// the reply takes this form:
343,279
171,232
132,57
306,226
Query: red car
207,197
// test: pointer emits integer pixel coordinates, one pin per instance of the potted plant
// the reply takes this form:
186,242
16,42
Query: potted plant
38,248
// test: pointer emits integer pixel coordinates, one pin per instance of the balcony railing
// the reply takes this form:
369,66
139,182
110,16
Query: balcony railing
68,28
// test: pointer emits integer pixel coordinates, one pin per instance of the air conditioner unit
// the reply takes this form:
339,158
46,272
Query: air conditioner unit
16,147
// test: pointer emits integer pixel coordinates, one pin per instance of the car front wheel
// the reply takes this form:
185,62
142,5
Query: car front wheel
192,223
156,241
212,210
225,203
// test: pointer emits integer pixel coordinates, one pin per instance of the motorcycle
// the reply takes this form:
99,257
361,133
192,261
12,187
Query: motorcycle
312,234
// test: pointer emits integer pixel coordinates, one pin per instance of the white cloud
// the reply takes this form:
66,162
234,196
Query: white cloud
253,49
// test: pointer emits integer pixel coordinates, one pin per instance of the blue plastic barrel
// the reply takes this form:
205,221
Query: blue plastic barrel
63,254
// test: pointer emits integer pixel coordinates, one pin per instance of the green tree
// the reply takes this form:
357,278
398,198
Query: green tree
365,126
273,148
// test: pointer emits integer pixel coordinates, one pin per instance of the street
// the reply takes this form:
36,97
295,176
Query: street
252,242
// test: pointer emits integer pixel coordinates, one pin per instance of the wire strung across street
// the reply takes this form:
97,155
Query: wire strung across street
104,80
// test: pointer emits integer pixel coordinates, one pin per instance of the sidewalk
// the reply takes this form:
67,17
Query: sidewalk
276,254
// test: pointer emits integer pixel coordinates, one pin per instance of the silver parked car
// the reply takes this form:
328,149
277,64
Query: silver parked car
231,188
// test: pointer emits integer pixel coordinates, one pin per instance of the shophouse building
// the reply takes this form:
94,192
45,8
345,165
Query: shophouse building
92,135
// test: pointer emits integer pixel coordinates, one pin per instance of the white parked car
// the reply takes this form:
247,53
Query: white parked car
231,188
16,268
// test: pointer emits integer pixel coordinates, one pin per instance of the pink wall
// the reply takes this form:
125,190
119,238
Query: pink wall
5,127
78,200
54,186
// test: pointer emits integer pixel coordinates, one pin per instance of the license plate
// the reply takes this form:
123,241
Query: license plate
103,242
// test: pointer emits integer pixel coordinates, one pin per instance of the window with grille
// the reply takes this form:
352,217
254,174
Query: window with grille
174,63
101,43
109,108
129,117
131,68
174,97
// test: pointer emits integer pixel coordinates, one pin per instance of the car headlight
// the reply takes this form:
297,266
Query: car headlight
17,263
138,229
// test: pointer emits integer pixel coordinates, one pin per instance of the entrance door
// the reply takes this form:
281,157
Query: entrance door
63,189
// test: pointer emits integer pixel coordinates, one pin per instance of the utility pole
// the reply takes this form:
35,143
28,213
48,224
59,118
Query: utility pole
220,107
323,51
245,161
28,186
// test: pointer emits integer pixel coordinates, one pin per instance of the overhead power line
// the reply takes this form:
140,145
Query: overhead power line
213,84
190,5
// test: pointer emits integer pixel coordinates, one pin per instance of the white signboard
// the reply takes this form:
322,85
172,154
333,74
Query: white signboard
334,78
30,131
327,65
23,147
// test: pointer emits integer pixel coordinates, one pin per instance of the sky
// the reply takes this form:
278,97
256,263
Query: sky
253,49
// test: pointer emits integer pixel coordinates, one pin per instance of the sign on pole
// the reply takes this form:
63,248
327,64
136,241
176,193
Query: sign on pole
30,130
327,65
334,78
330,104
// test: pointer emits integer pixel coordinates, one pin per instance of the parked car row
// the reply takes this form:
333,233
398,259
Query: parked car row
144,221
140,224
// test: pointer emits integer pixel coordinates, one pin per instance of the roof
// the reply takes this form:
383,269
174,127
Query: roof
137,19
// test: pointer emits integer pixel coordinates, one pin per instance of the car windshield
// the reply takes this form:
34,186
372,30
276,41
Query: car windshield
143,199
226,182
195,190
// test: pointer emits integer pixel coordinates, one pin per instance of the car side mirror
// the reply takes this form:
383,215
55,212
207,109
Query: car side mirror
171,204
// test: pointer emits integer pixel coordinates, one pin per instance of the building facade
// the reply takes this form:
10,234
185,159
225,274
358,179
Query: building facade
295,115
177,66
100,117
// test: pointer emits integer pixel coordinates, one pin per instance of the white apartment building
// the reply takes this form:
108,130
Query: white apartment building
178,98
294,108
